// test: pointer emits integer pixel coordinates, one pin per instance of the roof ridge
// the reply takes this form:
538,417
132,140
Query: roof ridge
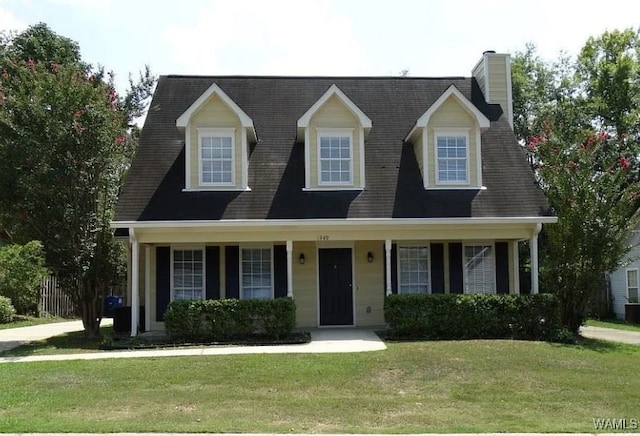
240,76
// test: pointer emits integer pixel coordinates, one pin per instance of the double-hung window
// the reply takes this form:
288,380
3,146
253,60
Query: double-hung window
257,277
335,157
188,283
479,269
452,157
413,270
632,286
216,156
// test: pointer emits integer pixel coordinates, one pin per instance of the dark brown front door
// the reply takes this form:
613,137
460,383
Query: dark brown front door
336,289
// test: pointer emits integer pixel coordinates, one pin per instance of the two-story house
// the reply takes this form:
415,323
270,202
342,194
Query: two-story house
335,191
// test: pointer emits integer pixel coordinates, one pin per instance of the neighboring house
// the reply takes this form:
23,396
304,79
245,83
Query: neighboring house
625,282
336,191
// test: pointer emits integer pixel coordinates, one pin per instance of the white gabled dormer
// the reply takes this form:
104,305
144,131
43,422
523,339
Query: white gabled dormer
446,140
334,129
217,137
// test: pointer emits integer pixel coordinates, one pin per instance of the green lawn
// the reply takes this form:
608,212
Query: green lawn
68,343
465,386
26,321
613,324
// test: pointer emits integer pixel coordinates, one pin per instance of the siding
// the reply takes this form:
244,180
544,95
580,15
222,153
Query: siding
305,284
369,283
618,278
452,115
215,113
333,114
498,81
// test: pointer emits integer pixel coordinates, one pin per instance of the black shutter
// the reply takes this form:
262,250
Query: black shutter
502,268
437,268
394,268
280,271
456,277
213,273
232,271
163,281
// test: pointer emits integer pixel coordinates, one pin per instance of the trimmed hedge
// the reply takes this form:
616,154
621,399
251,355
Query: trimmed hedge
7,311
474,316
223,320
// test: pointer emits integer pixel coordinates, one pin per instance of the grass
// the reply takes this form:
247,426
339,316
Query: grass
68,343
613,324
26,321
464,386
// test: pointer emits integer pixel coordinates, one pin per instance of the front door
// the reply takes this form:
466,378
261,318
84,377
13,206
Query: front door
336,289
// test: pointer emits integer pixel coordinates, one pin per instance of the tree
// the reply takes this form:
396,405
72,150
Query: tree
590,191
21,270
65,143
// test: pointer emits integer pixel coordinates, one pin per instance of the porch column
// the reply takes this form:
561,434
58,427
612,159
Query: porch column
515,256
135,285
387,253
290,269
147,288
534,259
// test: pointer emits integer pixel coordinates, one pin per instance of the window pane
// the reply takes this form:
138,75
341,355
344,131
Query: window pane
335,159
479,269
256,273
414,265
452,158
217,159
188,282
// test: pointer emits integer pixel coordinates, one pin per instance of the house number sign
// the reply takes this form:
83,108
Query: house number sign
323,237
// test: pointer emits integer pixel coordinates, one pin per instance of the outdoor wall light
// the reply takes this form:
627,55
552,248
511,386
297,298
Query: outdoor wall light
370,257
301,259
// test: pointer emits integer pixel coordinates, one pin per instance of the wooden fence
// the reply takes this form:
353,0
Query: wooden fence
54,302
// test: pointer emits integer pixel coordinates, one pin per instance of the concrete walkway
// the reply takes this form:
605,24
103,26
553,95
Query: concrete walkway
12,338
612,335
323,434
322,341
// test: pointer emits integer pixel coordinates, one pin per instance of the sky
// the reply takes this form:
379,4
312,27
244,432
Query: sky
316,37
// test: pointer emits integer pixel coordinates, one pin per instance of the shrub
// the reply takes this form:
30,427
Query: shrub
219,320
474,316
21,270
7,311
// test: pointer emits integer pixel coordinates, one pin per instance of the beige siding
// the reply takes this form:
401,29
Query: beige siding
333,114
215,113
305,285
369,282
452,115
498,80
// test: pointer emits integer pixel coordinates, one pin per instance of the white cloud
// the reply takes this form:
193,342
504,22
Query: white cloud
9,22
283,37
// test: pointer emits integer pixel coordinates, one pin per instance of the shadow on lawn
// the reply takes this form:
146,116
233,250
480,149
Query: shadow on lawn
600,346
66,343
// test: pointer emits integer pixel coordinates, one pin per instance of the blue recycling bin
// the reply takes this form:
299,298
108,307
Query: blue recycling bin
111,303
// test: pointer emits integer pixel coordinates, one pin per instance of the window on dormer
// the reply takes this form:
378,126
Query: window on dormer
216,156
452,162
335,158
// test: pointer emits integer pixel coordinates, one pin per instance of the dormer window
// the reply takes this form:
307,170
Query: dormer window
217,136
216,156
334,130
452,162
335,157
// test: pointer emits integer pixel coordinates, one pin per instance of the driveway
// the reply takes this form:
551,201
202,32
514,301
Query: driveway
612,335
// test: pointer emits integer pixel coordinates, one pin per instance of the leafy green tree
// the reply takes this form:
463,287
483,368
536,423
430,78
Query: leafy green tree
65,143
21,271
589,189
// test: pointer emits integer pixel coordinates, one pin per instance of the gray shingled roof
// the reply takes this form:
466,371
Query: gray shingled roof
153,187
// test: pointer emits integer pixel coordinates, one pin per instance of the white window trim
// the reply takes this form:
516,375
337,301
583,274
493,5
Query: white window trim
451,132
626,279
412,245
220,132
256,247
323,132
464,269
204,269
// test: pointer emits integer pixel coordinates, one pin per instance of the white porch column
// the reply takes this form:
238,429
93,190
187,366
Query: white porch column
147,288
387,252
515,261
290,269
135,285
535,288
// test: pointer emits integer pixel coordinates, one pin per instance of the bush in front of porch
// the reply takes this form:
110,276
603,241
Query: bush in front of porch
221,320
474,316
